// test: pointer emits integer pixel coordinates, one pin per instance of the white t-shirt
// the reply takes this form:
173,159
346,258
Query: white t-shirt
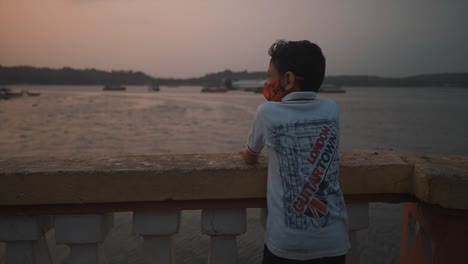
307,216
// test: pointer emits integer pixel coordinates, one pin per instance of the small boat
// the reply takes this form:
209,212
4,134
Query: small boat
249,85
331,88
114,88
6,93
32,94
28,93
213,89
153,87
258,90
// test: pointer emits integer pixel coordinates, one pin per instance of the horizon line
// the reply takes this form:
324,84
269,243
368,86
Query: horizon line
184,78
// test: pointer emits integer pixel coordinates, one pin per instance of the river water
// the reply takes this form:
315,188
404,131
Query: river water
84,121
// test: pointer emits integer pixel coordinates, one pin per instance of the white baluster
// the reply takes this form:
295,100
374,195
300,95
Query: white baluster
25,239
157,229
84,235
223,225
358,224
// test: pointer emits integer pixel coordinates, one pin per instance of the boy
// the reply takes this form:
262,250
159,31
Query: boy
307,219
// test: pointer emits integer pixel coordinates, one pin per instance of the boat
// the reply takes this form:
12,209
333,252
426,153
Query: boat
249,85
331,88
7,93
32,94
213,89
258,90
28,93
114,88
153,87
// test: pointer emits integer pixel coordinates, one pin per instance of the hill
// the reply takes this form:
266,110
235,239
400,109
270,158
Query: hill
67,75
70,76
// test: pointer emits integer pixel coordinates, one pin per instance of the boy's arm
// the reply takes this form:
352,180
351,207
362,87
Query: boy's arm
249,157
255,141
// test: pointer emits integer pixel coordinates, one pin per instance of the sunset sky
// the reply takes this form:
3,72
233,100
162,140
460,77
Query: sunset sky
189,38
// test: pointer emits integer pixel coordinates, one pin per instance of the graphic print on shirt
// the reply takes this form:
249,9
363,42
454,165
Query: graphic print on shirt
308,156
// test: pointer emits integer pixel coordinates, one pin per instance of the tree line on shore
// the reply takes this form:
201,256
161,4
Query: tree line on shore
70,76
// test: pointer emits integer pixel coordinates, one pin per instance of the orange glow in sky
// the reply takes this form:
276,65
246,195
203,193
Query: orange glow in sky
175,38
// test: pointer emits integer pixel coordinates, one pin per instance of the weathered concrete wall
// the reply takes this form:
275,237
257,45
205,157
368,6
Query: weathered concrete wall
435,179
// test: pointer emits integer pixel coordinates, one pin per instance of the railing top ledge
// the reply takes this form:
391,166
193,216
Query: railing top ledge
156,163
440,180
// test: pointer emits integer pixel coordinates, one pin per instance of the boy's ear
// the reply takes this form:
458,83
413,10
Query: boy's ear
290,80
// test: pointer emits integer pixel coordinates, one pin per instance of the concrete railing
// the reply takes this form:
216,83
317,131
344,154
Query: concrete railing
77,198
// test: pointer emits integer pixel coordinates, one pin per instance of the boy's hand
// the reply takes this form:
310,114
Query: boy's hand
249,157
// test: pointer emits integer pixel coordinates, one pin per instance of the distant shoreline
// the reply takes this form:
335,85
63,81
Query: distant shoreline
195,86
28,75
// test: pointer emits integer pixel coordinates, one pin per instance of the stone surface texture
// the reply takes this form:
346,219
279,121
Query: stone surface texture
438,180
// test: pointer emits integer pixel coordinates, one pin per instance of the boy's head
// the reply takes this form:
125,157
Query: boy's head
297,65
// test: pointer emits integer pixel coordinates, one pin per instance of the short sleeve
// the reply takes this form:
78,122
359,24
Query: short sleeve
256,139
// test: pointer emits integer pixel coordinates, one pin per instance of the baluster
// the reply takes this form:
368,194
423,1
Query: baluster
358,224
25,239
157,229
223,225
84,235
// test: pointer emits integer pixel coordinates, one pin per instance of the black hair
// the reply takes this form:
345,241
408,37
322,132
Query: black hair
303,58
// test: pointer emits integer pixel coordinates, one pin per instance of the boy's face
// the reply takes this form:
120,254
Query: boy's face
273,74
274,90
286,80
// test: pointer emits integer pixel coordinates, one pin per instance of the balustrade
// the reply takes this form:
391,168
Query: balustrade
76,200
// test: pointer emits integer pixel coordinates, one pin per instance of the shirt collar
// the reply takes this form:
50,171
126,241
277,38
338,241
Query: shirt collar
300,96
